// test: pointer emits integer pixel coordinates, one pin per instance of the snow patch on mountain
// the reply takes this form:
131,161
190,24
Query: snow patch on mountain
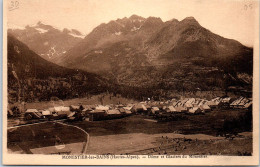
135,28
77,36
51,52
38,24
41,31
137,20
98,51
118,33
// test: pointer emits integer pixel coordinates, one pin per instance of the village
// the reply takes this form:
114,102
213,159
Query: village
157,110
220,126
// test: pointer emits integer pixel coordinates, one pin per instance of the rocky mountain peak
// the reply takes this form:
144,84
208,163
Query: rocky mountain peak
136,17
173,21
39,23
66,31
190,20
154,19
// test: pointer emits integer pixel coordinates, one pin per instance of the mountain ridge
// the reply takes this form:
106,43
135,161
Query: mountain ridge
166,39
172,55
47,41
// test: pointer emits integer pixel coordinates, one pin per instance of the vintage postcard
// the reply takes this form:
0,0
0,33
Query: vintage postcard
131,82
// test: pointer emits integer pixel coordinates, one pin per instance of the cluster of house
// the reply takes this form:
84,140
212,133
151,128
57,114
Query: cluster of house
79,112
193,105
101,112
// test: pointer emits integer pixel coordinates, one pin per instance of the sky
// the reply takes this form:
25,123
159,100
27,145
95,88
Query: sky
234,19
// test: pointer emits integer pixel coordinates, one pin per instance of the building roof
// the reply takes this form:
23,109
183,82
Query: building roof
63,112
87,108
205,107
197,101
194,109
191,100
172,109
184,101
121,110
128,112
130,105
187,104
202,102
100,107
211,103
51,109
71,114
180,108
237,101
147,106
97,111
226,99
113,112
46,112
31,110
155,108
74,107
216,99
128,108
243,101
175,103
61,108
247,105
140,106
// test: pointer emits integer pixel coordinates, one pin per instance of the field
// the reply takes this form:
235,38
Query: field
210,123
195,134
170,144
219,132
47,138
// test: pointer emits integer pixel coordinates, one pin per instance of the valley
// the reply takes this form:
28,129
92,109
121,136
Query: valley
143,85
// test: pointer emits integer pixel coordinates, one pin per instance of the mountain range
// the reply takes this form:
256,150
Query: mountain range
151,54
47,41
141,51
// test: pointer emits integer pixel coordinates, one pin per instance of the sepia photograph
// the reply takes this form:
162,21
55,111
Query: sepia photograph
127,82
